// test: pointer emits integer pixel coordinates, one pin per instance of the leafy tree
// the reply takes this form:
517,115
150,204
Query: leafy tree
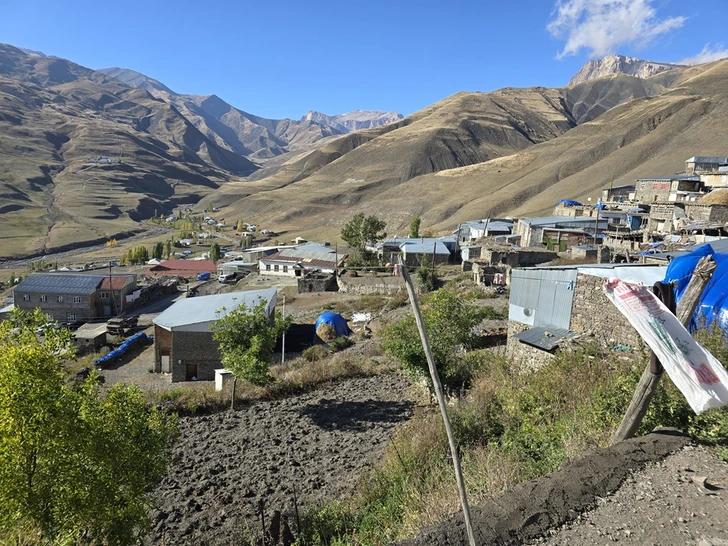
247,340
168,249
361,230
158,250
240,226
415,227
426,277
215,253
76,467
449,320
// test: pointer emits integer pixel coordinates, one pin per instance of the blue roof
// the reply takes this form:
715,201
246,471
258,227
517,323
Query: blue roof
424,248
60,283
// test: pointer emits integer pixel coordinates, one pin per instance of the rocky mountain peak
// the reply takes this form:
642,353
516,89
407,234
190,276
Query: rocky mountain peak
620,64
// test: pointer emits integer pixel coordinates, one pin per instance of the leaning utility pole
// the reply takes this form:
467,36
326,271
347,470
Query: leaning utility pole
441,402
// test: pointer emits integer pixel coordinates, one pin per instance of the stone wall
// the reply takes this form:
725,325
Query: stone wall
370,285
195,349
712,213
526,356
594,315
317,282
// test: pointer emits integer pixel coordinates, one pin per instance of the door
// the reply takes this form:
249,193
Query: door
165,364
191,372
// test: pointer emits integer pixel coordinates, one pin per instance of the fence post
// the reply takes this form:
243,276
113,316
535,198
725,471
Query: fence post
653,373
441,402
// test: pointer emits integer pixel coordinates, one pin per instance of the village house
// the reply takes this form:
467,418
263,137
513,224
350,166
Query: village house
676,188
473,230
700,164
617,193
183,339
495,263
428,253
71,297
297,261
716,179
549,306
388,251
551,231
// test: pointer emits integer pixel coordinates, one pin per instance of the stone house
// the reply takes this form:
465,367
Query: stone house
297,261
701,164
317,282
548,306
676,188
183,341
531,230
617,193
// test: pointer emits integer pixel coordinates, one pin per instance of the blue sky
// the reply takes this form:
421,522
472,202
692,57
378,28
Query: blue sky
280,59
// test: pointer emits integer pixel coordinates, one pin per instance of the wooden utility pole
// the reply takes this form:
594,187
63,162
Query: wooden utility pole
653,373
441,402
283,340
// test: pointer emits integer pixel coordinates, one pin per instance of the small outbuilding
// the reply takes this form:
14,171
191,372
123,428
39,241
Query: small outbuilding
183,341
90,336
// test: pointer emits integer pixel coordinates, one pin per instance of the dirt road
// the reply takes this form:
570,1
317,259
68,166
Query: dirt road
316,444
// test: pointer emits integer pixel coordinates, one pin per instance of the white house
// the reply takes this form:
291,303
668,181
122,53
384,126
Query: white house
297,261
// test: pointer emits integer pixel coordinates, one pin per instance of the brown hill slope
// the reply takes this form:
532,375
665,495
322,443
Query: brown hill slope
421,164
56,120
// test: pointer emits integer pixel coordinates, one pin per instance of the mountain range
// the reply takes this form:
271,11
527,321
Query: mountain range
88,155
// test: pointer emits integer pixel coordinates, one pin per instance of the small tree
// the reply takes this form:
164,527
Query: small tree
247,340
76,467
449,320
215,254
415,227
158,250
361,230
168,249
240,226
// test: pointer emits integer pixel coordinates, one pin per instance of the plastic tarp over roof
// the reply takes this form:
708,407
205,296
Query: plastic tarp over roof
197,314
638,274
569,203
713,304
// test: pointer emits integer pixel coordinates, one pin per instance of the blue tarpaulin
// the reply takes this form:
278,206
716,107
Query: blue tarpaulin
713,304
334,319
121,349
569,203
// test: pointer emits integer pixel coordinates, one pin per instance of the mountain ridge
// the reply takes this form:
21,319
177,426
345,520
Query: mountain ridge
620,64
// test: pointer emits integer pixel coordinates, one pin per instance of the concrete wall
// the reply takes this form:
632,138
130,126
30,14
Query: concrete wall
370,285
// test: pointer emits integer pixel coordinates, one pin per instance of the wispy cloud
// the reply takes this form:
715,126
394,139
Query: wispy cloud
602,26
707,55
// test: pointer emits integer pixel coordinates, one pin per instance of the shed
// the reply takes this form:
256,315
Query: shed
90,335
183,342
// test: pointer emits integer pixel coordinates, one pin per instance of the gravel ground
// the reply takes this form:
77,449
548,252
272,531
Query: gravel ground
664,504
313,446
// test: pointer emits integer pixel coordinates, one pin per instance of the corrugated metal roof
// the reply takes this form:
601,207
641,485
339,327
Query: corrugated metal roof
707,159
195,314
424,248
60,283
681,177
545,337
117,281
558,220
185,265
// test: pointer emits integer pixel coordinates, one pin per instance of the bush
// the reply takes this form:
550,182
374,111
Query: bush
341,343
449,321
315,353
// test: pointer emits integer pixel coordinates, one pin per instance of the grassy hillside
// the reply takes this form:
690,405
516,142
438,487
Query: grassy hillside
513,151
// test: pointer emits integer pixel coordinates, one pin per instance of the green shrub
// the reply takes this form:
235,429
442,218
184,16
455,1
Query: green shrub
315,353
341,343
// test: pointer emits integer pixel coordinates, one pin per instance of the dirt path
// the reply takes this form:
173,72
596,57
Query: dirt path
318,443
663,504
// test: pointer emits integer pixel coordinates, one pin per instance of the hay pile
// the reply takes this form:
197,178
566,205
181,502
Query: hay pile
326,332
716,197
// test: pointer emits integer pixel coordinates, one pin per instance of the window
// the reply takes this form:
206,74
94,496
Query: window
285,269
267,267
655,185
104,295
663,186
71,317
26,297
44,298
59,299
643,185
76,299
276,267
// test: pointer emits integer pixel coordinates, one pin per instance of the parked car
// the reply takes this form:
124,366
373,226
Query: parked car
227,277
